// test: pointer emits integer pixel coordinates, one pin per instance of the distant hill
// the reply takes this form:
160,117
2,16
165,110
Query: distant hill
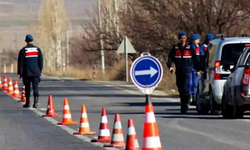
24,12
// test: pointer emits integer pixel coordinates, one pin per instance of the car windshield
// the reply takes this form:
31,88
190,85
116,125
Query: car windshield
231,52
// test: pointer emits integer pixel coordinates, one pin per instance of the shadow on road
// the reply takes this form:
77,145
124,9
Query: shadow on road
74,88
98,95
136,104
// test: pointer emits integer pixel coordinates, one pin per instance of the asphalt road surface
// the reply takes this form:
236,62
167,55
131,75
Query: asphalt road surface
24,129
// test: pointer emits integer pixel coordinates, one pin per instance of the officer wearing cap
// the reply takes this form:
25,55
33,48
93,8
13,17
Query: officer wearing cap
204,58
185,59
30,66
195,78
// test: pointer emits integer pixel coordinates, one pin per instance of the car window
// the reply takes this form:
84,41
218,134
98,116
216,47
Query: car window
231,53
248,59
211,56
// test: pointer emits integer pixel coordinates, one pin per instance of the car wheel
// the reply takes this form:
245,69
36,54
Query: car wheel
228,111
214,107
202,108
239,112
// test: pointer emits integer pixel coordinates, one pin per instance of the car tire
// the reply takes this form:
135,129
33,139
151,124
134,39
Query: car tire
214,107
239,112
228,111
202,108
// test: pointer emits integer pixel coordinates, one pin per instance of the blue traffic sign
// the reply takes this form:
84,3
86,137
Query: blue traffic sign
146,72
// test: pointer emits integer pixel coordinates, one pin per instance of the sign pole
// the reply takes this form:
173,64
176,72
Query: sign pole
126,58
126,48
147,98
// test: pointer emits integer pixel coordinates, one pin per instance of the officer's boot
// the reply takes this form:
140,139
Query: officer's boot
35,105
193,100
183,108
185,104
27,104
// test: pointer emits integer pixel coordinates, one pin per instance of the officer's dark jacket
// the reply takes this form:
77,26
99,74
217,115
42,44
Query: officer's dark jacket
30,61
185,58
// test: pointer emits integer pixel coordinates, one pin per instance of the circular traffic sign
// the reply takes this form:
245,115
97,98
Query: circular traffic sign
146,72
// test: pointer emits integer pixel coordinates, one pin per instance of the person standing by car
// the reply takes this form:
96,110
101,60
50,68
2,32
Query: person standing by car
185,59
30,66
204,58
196,47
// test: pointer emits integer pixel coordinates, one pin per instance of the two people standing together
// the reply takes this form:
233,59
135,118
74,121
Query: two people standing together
190,60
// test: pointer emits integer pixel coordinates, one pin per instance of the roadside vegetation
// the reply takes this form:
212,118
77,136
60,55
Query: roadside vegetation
151,26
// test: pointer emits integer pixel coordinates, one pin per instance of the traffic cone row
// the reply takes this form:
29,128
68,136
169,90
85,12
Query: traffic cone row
104,136
151,139
8,87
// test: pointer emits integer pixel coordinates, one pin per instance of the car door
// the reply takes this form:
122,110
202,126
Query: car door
206,75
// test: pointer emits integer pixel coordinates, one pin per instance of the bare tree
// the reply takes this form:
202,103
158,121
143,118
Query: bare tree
51,32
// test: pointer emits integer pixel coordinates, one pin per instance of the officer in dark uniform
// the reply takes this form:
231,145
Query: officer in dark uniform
185,60
30,66
196,47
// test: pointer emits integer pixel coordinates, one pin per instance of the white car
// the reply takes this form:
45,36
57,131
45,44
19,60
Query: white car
221,56
236,93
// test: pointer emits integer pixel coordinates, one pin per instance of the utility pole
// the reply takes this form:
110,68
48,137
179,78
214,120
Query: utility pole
101,40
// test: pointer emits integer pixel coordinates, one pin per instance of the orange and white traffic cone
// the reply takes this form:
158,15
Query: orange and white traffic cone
16,93
151,139
50,108
132,142
117,135
5,83
67,118
104,133
84,128
23,98
10,87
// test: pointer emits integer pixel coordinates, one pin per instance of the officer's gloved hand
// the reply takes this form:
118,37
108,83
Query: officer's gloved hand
171,69
19,76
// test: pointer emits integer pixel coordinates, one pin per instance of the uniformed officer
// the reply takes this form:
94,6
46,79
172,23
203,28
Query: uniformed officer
30,66
195,46
185,59
204,58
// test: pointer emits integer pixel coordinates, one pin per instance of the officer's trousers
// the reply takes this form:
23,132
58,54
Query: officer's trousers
183,81
27,82
194,81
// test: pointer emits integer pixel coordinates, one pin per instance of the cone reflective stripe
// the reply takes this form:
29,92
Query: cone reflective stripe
5,83
67,118
16,93
50,108
84,128
132,142
117,136
23,98
104,133
10,87
151,139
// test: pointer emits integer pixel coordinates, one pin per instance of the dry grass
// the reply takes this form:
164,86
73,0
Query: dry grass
116,73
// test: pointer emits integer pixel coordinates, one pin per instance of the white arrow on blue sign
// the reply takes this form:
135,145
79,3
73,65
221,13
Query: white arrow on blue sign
146,73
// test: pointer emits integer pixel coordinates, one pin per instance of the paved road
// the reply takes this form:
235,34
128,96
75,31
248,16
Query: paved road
177,132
